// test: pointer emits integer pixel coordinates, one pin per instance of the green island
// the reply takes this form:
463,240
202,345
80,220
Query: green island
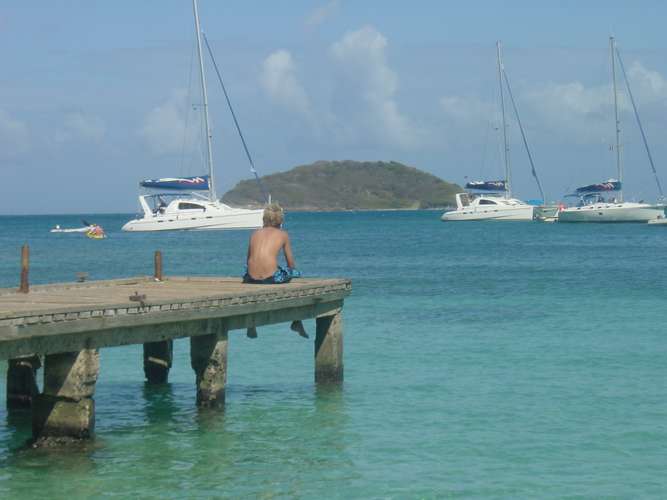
348,185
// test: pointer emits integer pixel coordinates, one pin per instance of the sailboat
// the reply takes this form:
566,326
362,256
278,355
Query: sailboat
592,206
181,205
492,200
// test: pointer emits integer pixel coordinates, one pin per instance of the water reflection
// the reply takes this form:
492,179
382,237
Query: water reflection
159,403
18,428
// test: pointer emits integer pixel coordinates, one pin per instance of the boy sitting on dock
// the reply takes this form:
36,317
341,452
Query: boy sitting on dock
263,252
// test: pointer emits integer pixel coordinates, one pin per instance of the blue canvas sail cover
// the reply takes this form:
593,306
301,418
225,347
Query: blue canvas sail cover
610,185
487,185
196,183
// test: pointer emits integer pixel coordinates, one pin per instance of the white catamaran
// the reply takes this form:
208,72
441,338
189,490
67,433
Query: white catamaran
593,207
191,210
492,200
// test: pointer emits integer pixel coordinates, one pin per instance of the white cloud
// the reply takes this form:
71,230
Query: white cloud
572,99
647,86
586,113
14,137
79,127
569,110
279,80
468,110
164,128
321,14
370,85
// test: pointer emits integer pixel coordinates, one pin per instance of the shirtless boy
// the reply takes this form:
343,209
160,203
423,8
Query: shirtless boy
263,251
265,246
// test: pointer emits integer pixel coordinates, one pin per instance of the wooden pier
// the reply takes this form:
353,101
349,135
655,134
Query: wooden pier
63,326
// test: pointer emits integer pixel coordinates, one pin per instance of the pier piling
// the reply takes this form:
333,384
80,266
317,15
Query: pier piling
158,357
66,408
329,349
208,356
22,381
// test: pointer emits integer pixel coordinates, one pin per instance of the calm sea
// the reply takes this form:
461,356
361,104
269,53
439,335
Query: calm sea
495,360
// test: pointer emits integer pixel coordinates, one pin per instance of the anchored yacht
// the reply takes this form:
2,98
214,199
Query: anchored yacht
592,206
488,206
169,212
492,200
191,210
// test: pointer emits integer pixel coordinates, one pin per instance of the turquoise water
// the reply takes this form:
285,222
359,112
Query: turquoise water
496,360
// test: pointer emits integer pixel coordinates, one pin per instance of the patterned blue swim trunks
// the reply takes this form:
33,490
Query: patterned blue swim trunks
282,275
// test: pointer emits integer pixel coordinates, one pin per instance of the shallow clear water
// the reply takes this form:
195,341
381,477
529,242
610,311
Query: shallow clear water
481,360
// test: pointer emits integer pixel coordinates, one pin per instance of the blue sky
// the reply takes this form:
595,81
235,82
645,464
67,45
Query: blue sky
96,95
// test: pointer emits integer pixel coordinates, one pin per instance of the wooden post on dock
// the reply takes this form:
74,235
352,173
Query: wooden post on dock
66,408
158,266
24,287
22,381
208,356
329,349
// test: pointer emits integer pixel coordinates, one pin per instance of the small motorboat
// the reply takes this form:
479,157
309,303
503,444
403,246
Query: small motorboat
87,226
58,229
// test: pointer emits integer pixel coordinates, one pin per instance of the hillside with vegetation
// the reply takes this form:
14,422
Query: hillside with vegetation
348,185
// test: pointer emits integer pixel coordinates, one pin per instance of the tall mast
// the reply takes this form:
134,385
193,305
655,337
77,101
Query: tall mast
523,135
617,125
211,184
506,150
639,123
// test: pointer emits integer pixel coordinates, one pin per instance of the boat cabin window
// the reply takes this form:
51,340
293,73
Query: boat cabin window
487,202
189,206
465,199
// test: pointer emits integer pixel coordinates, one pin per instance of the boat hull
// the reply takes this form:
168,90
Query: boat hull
546,213
232,219
70,230
612,212
520,213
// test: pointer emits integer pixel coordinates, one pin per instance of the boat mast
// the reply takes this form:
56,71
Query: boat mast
612,50
523,135
211,184
506,150
639,123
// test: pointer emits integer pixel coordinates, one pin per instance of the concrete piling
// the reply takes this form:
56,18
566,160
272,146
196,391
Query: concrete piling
158,357
66,408
208,356
329,349
22,381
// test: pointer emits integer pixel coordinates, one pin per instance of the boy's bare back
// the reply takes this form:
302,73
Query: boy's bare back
264,249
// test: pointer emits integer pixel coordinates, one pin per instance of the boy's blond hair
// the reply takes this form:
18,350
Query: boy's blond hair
273,215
